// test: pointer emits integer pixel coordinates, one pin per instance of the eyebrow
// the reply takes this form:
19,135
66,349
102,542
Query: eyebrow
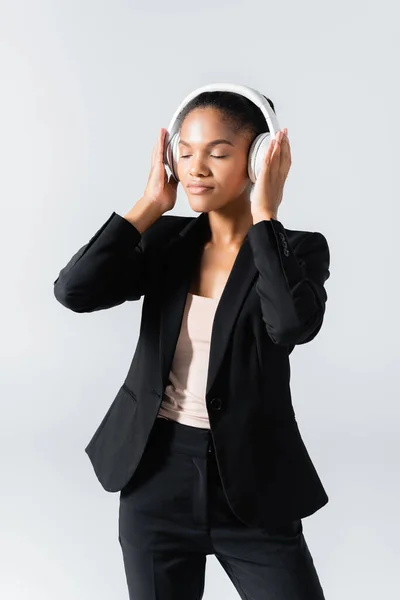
213,143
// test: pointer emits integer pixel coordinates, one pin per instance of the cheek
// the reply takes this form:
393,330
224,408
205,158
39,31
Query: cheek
235,167
179,170
238,172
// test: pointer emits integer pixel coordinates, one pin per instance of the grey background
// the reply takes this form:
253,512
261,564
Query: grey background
85,87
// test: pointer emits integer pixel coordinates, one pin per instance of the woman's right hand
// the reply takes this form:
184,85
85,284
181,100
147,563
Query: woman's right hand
160,190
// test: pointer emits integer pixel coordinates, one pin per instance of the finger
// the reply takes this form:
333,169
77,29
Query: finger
277,146
286,160
270,150
285,140
154,153
280,154
161,145
268,154
156,149
272,144
273,160
286,147
277,150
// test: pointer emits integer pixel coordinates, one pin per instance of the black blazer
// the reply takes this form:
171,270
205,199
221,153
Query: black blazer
273,300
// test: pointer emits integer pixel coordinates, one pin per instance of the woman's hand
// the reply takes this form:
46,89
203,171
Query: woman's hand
160,190
268,189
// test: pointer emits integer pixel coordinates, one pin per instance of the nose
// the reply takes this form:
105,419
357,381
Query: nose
197,167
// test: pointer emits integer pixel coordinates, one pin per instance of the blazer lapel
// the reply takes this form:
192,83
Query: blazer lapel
239,282
182,258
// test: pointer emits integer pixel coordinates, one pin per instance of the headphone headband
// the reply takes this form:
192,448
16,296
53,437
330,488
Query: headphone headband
255,97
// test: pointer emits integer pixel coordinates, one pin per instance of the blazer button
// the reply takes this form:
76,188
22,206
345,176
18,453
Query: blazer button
216,403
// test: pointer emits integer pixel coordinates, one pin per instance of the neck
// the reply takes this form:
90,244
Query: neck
229,224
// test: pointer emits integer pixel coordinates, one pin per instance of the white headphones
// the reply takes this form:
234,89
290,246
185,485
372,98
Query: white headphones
257,150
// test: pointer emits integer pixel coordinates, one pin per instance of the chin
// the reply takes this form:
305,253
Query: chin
206,202
203,205
199,203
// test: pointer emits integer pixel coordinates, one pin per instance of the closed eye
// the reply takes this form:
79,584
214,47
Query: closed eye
212,156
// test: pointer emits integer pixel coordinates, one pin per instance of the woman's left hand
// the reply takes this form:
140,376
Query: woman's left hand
268,190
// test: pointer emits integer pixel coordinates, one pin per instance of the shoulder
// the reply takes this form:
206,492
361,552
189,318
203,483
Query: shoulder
283,235
303,238
163,229
298,235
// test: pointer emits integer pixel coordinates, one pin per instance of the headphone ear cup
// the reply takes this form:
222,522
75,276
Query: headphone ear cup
171,154
257,153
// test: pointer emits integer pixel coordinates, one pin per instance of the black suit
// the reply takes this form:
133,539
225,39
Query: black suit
274,299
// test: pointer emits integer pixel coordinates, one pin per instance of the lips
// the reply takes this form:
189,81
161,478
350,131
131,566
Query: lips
199,186
199,189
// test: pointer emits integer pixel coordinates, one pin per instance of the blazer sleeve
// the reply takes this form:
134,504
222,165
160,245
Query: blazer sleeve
111,268
291,281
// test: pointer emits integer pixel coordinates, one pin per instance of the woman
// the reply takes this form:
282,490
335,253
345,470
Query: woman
202,439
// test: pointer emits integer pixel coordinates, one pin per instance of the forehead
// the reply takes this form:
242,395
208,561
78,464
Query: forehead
201,123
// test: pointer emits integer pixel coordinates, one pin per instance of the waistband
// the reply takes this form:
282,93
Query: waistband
174,436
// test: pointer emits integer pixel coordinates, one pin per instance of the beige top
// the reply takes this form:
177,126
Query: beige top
184,396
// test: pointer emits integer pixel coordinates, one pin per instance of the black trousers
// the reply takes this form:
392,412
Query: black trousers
174,512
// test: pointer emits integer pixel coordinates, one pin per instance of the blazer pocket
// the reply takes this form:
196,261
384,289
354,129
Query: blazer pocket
121,412
128,391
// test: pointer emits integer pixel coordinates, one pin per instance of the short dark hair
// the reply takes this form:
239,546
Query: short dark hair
240,112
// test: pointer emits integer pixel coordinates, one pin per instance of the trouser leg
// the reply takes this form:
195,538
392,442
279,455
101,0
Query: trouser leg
162,517
163,575
263,564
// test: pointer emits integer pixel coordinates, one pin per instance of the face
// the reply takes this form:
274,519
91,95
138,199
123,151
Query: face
222,166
